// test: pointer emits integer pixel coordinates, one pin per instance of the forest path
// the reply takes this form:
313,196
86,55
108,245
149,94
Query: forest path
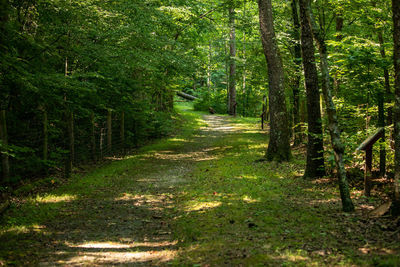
120,214
199,198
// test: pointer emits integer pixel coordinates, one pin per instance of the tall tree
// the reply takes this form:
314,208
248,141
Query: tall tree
333,126
315,151
396,117
232,61
297,77
279,144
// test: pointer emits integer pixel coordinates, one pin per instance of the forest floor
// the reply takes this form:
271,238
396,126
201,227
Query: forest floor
199,198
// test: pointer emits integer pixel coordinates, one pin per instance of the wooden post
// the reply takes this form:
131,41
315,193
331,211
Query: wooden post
45,135
381,123
93,137
368,172
122,132
109,130
4,138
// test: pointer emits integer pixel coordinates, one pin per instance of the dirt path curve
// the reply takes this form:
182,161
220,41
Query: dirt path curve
125,219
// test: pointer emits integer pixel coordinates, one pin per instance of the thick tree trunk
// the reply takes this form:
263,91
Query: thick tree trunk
396,117
232,62
4,139
296,76
279,143
315,151
337,144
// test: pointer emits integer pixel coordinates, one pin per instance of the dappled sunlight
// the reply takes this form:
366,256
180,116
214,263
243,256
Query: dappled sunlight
249,199
121,253
142,199
55,199
24,229
246,176
117,245
257,146
120,257
195,156
368,249
196,206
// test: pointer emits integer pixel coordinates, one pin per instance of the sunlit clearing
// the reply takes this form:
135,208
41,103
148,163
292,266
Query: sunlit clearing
196,206
54,199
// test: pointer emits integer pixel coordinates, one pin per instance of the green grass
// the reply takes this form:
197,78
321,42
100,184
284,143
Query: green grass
227,209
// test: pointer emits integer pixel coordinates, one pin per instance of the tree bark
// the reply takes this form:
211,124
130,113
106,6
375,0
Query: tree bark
232,62
209,68
339,37
297,77
396,117
383,54
122,132
381,123
70,146
279,143
109,130
93,137
333,126
45,135
4,139
315,151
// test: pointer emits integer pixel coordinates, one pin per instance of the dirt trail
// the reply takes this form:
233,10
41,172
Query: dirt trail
129,223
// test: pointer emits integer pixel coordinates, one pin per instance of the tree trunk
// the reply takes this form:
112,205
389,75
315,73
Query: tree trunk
244,65
339,37
109,131
4,139
228,96
396,117
70,146
279,143
297,77
45,135
315,151
122,132
381,123
383,54
209,68
232,62
337,144
93,137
